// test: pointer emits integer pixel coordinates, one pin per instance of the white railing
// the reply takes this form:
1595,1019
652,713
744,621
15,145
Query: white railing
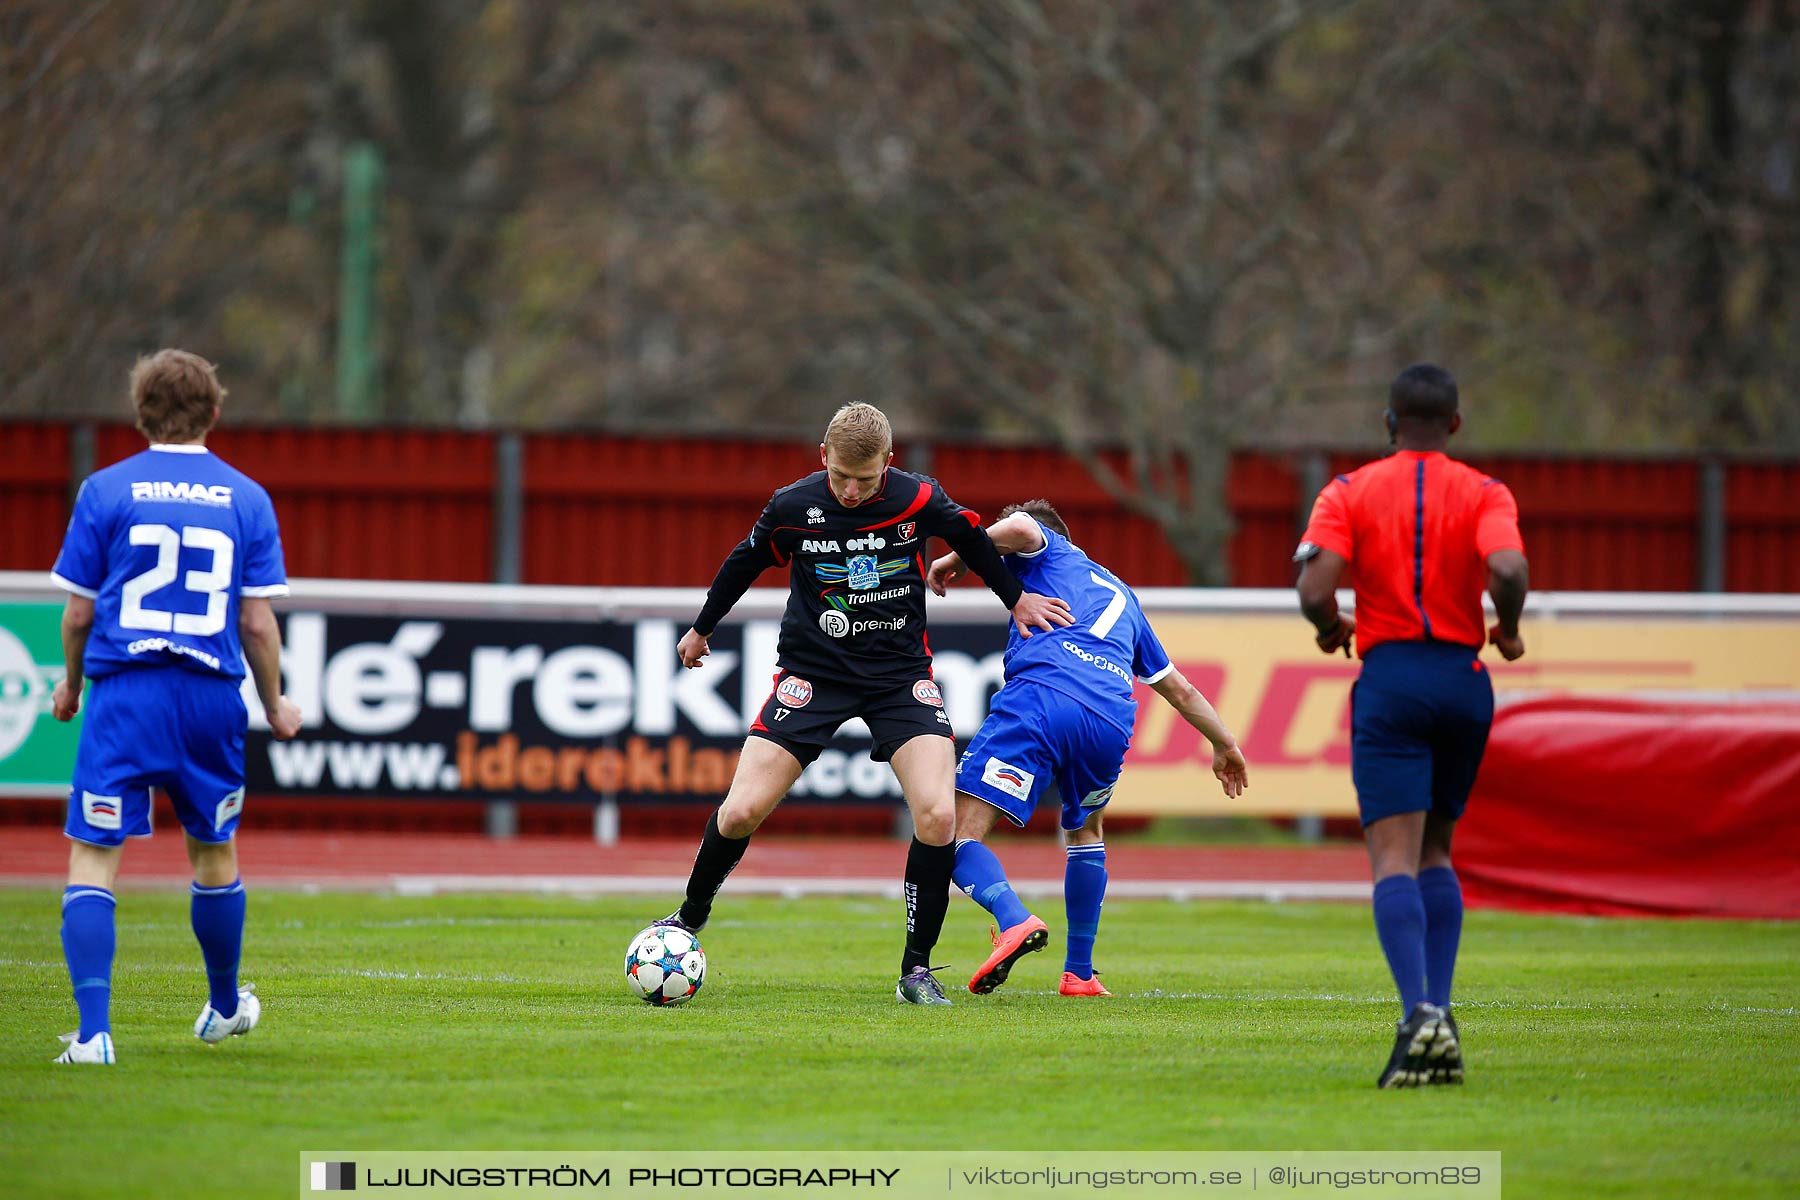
965,604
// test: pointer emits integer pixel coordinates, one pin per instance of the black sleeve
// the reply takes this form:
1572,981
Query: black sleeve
748,559
961,528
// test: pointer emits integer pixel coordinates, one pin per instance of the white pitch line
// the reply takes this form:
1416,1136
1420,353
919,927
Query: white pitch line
794,887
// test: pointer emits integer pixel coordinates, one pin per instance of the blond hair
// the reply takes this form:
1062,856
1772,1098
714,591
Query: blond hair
176,394
859,432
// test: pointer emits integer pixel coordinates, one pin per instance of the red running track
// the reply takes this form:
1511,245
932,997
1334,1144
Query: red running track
423,863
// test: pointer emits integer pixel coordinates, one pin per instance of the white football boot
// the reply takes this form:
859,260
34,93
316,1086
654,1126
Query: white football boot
212,1029
97,1049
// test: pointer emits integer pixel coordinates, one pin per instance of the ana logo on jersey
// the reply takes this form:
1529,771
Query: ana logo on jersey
815,516
830,546
834,623
926,692
1012,780
794,692
192,493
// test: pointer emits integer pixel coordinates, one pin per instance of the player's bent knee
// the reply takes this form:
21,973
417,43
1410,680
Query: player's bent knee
93,866
1089,833
934,825
740,816
215,863
975,817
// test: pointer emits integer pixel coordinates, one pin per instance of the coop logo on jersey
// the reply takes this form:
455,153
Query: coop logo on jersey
100,812
907,529
1012,780
815,516
192,493
834,623
794,692
863,572
926,692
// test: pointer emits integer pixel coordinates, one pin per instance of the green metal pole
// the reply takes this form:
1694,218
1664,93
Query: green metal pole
357,384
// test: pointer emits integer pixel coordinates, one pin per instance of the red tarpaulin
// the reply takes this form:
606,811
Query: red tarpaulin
1637,808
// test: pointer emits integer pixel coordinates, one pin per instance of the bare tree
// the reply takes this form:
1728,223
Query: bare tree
457,93
1130,226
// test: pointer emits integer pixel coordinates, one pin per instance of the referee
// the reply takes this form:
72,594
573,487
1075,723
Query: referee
1422,535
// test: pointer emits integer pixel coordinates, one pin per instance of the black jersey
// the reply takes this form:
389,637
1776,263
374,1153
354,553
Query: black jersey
856,576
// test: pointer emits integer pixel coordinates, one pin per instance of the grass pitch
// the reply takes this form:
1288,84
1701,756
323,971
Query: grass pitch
1605,1058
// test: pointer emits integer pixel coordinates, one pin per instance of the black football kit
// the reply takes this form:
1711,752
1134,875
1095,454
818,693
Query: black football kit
853,640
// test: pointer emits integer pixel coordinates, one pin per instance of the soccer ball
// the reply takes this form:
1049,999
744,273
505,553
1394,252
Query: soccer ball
665,965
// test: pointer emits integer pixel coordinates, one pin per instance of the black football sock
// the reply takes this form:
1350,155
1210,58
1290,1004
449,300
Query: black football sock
717,858
927,891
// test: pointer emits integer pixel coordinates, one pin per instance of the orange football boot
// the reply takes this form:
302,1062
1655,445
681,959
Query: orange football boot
1075,985
1027,937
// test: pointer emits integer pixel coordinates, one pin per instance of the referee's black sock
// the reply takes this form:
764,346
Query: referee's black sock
717,858
927,891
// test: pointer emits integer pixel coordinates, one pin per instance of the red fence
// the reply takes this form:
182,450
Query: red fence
602,509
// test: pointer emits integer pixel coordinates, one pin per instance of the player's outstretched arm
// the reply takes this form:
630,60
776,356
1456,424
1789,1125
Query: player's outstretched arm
1017,534
971,544
1509,579
77,623
1318,585
1229,765
748,559
262,650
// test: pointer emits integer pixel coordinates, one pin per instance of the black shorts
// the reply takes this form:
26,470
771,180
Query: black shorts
801,714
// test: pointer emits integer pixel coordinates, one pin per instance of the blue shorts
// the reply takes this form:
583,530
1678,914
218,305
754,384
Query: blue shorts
1034,736
1419,718
164,727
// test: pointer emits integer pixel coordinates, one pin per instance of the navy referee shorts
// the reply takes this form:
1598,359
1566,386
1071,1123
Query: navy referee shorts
1419,719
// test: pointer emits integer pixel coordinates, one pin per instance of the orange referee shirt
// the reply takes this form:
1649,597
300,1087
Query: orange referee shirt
1416,528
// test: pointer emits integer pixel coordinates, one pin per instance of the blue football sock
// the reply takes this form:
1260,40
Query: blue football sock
1442,897
217,914
982,879
88,940
1400,923
1084,890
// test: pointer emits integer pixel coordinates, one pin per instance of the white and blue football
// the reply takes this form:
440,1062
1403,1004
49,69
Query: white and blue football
665,965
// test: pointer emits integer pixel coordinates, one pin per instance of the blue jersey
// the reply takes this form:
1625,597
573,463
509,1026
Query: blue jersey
165,543
1093,660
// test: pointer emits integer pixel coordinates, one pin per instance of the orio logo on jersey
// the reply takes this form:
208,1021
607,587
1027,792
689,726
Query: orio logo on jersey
834,623
794,692
926,692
